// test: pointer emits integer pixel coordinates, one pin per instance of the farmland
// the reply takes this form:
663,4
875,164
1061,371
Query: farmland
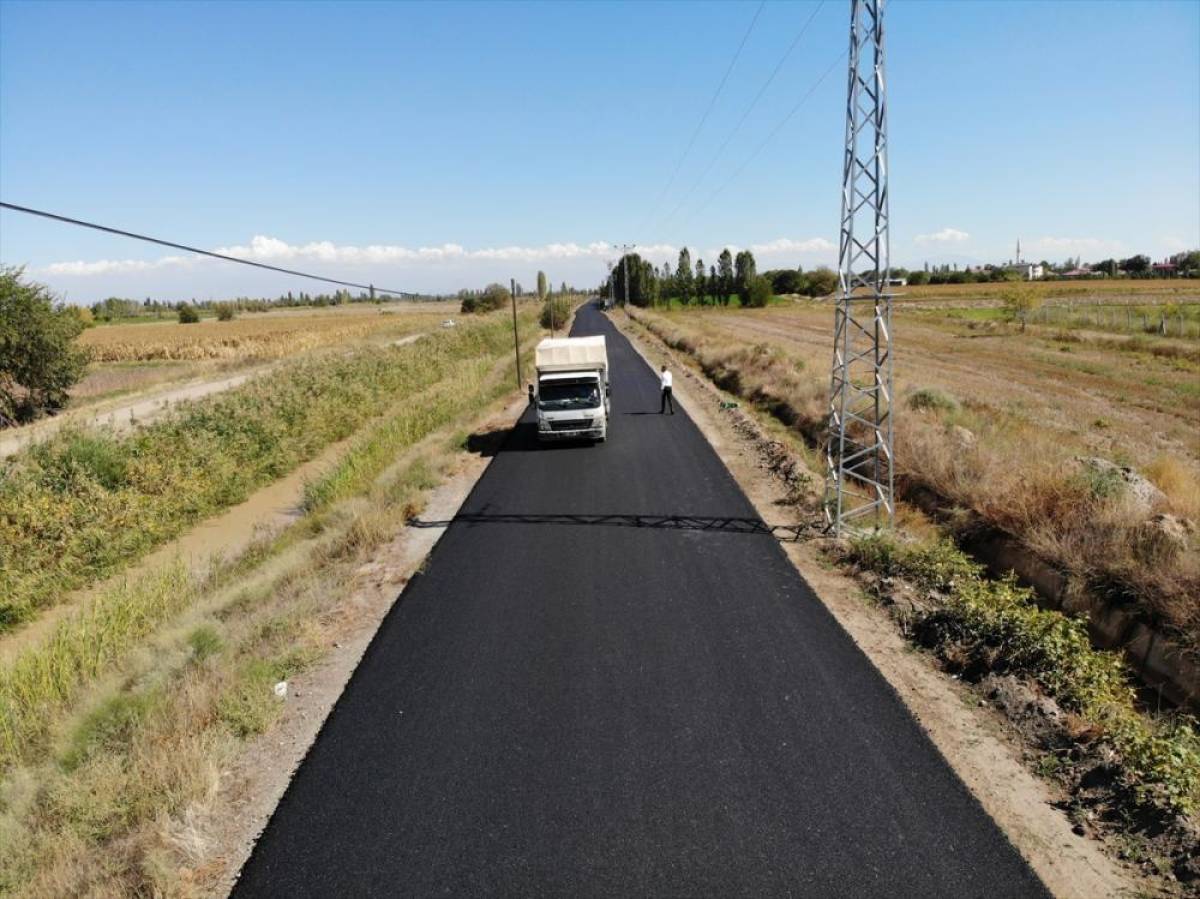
995,420
128,357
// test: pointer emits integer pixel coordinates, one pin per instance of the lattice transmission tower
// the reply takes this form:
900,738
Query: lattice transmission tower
859,460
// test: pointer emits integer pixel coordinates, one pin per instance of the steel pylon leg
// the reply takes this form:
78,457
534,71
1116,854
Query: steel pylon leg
859,458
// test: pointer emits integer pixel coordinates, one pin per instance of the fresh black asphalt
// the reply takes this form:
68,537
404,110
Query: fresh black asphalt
578,698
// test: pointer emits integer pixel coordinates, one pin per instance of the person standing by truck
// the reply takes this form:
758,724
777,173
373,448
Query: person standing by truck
665,378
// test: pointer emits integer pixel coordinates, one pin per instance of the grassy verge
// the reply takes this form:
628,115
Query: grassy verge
116,759
996,471
85,504
980,626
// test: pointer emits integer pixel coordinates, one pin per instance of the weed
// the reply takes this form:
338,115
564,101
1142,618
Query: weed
204,642
109,726
997,625
929,399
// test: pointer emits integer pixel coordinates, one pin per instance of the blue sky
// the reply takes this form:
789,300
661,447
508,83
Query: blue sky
472,142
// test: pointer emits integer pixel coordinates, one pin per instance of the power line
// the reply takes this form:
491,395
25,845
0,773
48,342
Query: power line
180,246
746,114
704,118
774,131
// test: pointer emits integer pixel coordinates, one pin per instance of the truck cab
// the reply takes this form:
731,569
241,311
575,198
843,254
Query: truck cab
572,397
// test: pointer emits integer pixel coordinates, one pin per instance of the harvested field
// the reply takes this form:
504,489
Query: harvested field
270,335
995,422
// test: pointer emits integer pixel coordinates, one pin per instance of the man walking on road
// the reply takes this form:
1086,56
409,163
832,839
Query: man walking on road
665,377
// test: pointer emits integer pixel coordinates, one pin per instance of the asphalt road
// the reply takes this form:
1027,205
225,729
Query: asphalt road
588,707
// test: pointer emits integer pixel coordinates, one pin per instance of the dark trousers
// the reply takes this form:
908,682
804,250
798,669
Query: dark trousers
666,401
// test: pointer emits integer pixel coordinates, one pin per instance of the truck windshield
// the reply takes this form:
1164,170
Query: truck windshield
569,395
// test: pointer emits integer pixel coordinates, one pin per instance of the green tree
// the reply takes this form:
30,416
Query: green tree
1136,265
188,314
225,311
822,282
786,280
649,283
725,272
39,362
701,285
542,286
642,288
758,294
494,296
1019,301
683,276
744,275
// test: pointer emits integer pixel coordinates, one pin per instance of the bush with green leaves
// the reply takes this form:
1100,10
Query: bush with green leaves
494,296
999,625
225,311
188,314
555,312
759,293
930,399
39,362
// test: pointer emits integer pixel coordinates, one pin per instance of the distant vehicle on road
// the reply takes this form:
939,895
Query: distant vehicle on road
572,395
449,323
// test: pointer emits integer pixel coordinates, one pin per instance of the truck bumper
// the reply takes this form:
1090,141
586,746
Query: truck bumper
590,434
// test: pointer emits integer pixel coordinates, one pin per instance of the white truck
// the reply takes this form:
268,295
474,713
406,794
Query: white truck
572,395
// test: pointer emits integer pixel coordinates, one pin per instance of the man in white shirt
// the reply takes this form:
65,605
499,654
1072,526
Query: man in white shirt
665,377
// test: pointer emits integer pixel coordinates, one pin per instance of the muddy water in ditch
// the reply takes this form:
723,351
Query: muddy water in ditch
269,510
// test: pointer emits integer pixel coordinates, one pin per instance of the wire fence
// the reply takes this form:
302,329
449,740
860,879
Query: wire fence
1167,320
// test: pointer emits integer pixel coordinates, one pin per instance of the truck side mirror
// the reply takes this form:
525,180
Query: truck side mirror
531,393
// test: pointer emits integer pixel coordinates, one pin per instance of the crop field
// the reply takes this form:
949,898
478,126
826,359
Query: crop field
996,420
258,336
1053,292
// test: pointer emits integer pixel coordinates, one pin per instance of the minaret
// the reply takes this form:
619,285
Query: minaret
1018,250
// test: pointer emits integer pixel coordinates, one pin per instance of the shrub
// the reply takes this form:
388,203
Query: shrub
821,282
1019,301
188,314
494,296
38,361
929,399
997,625
758,293
555,312
225,311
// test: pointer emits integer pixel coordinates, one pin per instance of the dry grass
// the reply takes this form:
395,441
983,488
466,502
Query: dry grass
271,335
1083,291
123,723
1001,442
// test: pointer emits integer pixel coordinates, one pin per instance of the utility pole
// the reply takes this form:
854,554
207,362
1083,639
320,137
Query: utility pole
625,248
612,295
516,340
858,455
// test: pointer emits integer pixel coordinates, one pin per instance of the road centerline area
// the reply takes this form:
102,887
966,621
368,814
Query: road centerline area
612,709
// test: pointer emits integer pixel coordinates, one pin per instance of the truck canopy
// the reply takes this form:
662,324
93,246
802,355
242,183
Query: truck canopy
571,354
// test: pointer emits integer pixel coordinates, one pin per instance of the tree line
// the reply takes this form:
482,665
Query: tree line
732,277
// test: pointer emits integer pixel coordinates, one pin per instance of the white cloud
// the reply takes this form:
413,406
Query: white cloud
946,235
116,266
273,251
787,245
